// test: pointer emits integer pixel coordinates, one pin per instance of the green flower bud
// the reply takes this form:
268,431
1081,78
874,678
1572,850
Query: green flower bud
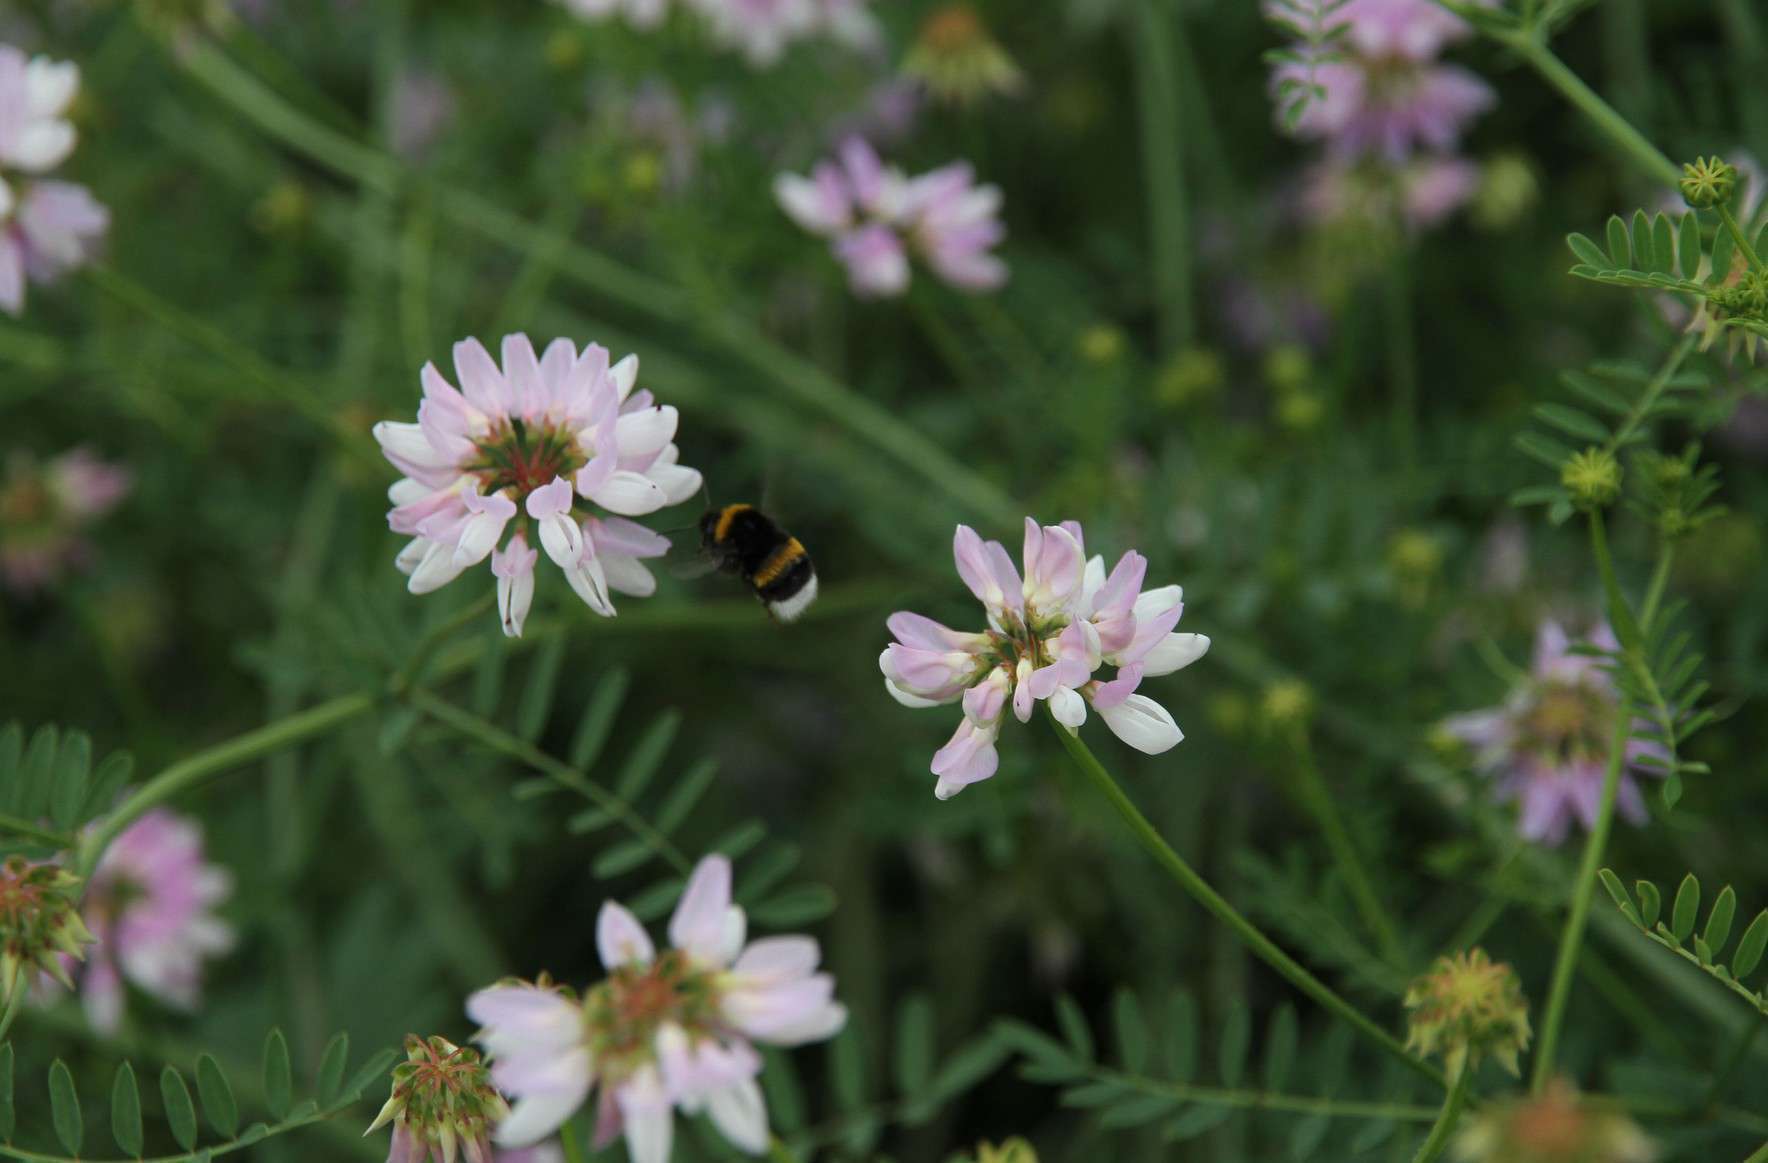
1708,182
1014,1150
442,1102
1101,344
1593,477
1190,376
1415,558
1466,1008
1288,367
1287,704
1301,410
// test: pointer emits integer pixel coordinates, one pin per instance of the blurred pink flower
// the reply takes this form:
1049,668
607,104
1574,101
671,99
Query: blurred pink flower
151,905
664,1030
1421,193
1048,634
536,443
875,216
638,13
1384,92
1549,742
761,30
45,508
422,106
46,228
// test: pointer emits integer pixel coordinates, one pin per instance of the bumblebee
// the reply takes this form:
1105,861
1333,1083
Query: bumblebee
743,540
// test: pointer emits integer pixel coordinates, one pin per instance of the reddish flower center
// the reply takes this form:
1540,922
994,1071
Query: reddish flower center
521,458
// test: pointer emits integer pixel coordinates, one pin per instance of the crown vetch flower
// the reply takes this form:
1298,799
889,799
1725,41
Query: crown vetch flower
40,924
875,216
1049,631
542,443
958,59
1548,742
43,509
443,1104
665,1029
46,227
761,30
1467,1007
1380,90
151,909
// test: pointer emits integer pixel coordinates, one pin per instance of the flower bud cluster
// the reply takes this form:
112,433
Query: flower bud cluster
443,1104
39,924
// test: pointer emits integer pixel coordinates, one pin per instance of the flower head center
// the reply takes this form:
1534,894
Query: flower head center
955,28
625,1012
1568,720
518,457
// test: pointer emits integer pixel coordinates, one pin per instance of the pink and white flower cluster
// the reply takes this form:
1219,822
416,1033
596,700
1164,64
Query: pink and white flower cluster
559,445
1548,743
1386,101
46,227
150,906
665,1029
761,30
45,507
874,217
1049,632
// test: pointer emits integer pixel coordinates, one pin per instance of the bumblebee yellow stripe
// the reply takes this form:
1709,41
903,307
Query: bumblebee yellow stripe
729,514
778,561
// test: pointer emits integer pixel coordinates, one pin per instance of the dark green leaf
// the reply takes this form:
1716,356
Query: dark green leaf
219,1106
1643,258
798,905
1688,248
740,839
1724,248
1036,1045
1749,949
369,1072
1138,1109
1682,913
64,1107
1236,1040
598,719
1718,930
1542,448
646,757
653,902
1663,245
968,1065
914,1045
1574,422
847,1070
180,1113
1372,1135
38,772
1196,1121
1618,892
1305,1136
622,857
766,870
108,782
784,1091
331,1068
1280,1048
73,773
1651,903
537,696
125,1111
278,1075
1620,254
1130,1029
1586,250
1074,1027
1180,1043
685,794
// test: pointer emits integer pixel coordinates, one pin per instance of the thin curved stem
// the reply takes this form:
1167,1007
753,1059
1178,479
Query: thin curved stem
1572,936
1438,1140
1344,852
1199,889
1759,1155
1744,246
235,752
571,1141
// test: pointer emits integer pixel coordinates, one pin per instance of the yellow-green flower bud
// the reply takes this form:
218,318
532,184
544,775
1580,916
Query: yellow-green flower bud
1466,1008
1014,1150
1192,375
1708,182
1287,704
1593,477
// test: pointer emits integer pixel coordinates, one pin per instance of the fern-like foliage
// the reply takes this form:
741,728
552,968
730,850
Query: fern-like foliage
1659,673
922,1082
643,806
50,787
1707,947
60,1101
1654,254
1317,29
1610,406
1149,1082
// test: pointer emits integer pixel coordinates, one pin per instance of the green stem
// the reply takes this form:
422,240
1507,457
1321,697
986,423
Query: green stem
1438,1140
1641,411
30,831
1402,362
1213,903
779,1152
434,638
1572,936
1344,853
571,1140
496,738
1654,593
1602,115
1157,98
242,749
14,993
1759,1155
1738,236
